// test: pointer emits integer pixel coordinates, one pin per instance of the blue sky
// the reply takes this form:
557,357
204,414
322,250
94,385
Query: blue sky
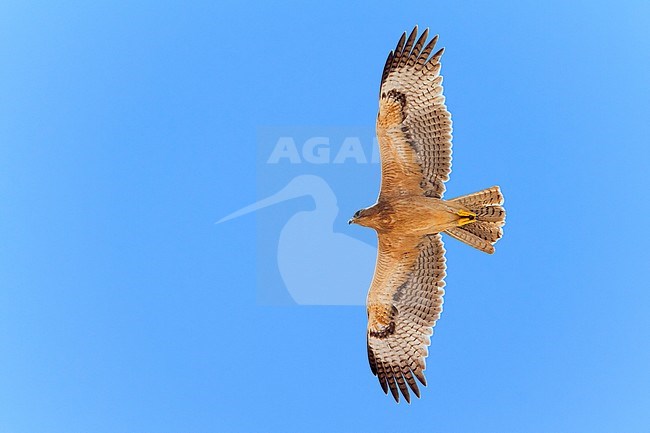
128,128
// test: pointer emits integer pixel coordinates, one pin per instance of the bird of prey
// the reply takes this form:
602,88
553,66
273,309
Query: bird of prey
414,133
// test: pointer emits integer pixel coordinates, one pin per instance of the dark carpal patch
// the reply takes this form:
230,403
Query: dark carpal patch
388,330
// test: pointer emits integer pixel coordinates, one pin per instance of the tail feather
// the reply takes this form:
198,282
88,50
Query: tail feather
494,214
475,201
486,230
471,239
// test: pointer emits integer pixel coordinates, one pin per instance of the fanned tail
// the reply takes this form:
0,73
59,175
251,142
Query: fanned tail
485,230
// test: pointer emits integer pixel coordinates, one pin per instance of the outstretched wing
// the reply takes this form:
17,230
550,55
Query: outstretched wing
404,303
413,124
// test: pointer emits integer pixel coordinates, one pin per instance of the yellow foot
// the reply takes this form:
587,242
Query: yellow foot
466,217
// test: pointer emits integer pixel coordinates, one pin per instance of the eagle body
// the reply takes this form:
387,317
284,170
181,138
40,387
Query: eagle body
413,215
406,294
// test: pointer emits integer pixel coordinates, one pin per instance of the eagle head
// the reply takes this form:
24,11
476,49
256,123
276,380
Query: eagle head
362,217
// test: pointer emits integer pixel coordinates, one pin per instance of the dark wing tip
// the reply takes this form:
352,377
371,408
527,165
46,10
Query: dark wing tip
372,360
438,54
405,391
420,375
387,68
411,52
399,378
411,40
400,44
381,377
390,378
417,49
408,375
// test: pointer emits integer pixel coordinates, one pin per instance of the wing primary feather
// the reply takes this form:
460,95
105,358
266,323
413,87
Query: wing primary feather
383,383
418,47
381,376
387,66
411,381
420,375
401,383
424,55
397,52
411,40
432,66
391,382
436,57
400,45
372,360
407,47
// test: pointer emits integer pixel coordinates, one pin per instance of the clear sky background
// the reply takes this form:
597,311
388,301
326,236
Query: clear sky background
128,128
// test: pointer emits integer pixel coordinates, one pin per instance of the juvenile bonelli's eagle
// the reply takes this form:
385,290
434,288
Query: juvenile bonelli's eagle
405,297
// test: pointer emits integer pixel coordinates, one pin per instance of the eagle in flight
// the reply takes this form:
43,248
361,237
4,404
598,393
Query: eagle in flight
414,133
